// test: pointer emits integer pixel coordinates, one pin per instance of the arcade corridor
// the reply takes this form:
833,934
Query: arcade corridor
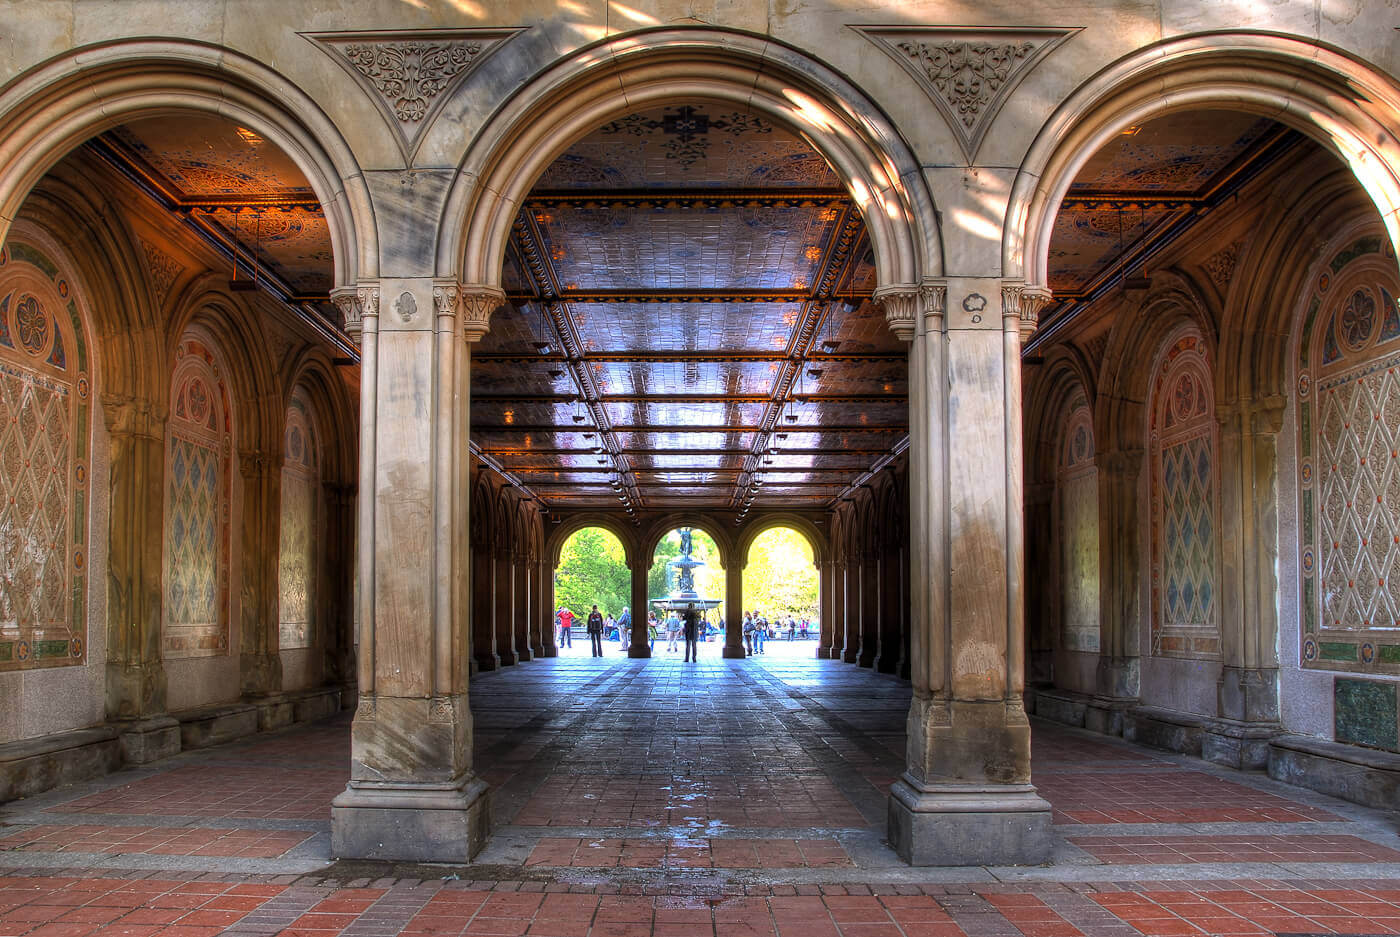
651,797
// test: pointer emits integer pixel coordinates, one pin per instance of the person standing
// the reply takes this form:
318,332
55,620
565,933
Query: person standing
595,631
673,630
624,629
565,618
760,634
692,633
651,631
748,633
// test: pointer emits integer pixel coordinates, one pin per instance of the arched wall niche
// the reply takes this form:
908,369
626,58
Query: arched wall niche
609,79
809,531
313,373
1064,374
1342,102
55,106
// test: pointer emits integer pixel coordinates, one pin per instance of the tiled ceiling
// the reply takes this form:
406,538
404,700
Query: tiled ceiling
239,191
689,325
1143,188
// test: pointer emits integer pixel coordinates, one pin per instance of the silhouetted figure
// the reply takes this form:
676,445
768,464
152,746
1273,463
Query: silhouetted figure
692,633
595,631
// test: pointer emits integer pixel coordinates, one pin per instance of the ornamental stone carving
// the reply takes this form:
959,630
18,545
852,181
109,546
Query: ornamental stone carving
411,74
933,297
1220,266
898,304
164,270
478,302
355,303
967,73
1024,304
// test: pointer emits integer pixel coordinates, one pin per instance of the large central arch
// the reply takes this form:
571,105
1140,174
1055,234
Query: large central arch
607,80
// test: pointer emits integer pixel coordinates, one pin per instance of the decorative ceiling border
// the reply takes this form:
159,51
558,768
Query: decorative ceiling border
411,74
968,72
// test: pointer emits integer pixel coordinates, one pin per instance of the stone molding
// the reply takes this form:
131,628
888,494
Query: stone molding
355,304
899,304
968,73
411,74
477,301
1024,304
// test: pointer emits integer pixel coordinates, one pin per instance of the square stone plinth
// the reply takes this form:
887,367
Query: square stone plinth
411,822
969,825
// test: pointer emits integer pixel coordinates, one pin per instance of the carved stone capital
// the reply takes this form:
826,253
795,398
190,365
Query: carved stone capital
478,302
933,303
1024,304
355,304
252,463
898,303
124,415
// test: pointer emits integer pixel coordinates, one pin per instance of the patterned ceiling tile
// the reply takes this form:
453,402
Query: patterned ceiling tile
295,244
206,156
681,415
615,247
693,327
689,147
510,378
492,414
516,329
681,442
545,461
862,330
1179,153
1087,242
878,376
687,460
687,377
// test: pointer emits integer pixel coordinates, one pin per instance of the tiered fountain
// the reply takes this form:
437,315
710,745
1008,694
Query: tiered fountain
684,597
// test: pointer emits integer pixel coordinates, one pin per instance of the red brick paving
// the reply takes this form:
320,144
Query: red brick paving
682,853
1170,795
155,840
260,792
1256,847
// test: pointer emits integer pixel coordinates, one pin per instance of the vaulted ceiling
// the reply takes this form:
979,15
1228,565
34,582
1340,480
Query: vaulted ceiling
689,325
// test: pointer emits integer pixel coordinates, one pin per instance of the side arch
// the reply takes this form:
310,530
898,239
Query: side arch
605,81
1346,104
813,535
556,538
51,108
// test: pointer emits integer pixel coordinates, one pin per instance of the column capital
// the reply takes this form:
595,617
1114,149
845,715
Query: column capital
1023,303
471,303
253,462
356,303
933,302
898,302
125,415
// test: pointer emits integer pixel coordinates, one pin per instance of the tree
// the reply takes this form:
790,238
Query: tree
592,571
781,578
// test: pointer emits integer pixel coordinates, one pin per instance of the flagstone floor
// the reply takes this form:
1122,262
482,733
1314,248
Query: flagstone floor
715,798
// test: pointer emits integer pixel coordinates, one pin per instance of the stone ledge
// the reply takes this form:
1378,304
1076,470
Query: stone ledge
1165,729
1360,775
214,725
1063,706
31,766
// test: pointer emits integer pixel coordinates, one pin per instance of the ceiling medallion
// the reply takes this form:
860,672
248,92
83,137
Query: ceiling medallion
688,130
411,74
967,73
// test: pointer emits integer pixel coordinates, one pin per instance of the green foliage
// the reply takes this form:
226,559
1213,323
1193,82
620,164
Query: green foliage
781,578
592,571
709,579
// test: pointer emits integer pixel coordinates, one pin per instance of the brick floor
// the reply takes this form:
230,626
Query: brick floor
721,798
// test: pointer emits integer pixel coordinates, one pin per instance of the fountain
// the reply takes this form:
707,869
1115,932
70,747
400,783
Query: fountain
684,597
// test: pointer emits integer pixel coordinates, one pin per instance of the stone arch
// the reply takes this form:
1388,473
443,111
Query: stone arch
810,532
604,81
481,513
554,541
313,372
74,96
650,538
1344,103
1064,374
1123,384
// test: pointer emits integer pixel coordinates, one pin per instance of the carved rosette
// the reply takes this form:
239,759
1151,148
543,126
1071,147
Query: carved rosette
478,302
967,73
1023,303
899,304
355,303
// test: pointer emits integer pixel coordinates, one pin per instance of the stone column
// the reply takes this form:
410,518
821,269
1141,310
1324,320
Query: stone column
412,793
851,607
544,589
335,599
869,610
966,797
637,645
734,610
1247,692
135,684
890,595
503,611
826,607
260,665
1042,595
483,610
1120,598
520,571
535,622
837,636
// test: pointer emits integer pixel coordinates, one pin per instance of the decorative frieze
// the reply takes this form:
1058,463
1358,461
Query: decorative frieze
411,74
967,73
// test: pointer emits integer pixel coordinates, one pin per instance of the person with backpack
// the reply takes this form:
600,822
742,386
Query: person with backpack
692,634
748,633
624,629
760,634
595,631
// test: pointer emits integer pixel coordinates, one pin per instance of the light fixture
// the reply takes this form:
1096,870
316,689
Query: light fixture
578,411
815,373
542,347
830,345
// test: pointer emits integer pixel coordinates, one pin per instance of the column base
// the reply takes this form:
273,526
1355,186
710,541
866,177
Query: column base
967,824
849,657
1242,745
411,822
639,652
824,653
537,651
734,653
146,740
866,660
549,651
486,662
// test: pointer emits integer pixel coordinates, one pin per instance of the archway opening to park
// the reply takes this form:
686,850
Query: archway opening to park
592,571
665,578
781,591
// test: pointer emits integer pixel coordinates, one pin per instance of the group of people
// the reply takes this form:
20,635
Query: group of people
758,630
684,626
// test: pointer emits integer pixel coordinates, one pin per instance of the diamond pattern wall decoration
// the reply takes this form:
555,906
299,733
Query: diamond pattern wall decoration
1185,613
967,73
1349,466
197,494
44,426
